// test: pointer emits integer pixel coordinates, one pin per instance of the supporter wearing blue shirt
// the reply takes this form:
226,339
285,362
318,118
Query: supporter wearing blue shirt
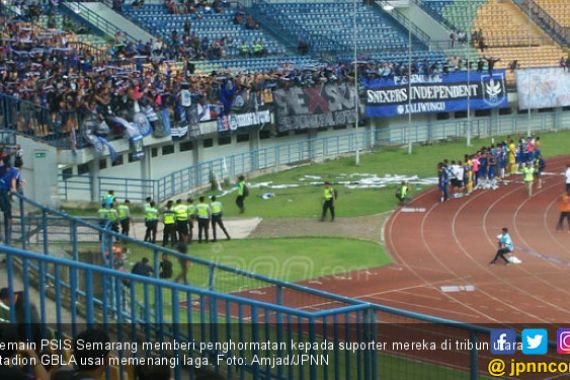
8,179
505,246
502,156
443,179
482,173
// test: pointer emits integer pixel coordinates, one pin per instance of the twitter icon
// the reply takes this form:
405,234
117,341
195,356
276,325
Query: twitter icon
534,341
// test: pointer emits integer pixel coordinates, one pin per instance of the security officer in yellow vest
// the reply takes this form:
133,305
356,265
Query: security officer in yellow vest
203,214
191,209
329,200
181,211
147,203
169,220
240,199
102,215
402,193
125,217
113,217
151,222
217,212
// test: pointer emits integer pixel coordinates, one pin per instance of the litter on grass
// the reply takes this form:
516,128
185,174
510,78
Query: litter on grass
350,181
266,196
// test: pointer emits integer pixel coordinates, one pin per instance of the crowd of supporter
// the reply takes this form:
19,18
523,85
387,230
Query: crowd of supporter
42,67
488,166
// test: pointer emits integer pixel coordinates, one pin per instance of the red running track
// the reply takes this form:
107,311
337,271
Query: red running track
452,244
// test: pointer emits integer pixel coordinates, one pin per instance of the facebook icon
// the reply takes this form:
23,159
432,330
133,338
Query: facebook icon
503,342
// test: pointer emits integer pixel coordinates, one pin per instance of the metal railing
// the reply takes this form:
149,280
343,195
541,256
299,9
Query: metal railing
435,15
51,232
76,293
37,122
317,149
82,13
479,127
540,16
86,296
402,19
201,174
97,53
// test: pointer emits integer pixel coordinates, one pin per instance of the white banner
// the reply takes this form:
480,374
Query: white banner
543,88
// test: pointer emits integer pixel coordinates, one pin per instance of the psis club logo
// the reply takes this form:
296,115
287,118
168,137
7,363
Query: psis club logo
493,89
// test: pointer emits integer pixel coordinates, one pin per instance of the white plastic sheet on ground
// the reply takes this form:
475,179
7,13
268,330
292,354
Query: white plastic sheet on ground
349,181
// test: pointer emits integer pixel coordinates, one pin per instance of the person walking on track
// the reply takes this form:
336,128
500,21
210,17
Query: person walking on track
564,211
203,213
505,246
539,166
181,211
217,212
243,192
528,177
125,217
329,201
151,222
169,220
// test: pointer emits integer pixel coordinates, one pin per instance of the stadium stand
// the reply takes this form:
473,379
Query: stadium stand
509,35
324,27
558,9
505,31
209,30
207,27
458,15
81,34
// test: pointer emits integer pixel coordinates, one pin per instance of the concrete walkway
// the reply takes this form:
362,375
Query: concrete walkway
238,228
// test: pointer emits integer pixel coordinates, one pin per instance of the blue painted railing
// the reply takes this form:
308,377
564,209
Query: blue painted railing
37,122
198,316
201,174
74,294
315,149
51,232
